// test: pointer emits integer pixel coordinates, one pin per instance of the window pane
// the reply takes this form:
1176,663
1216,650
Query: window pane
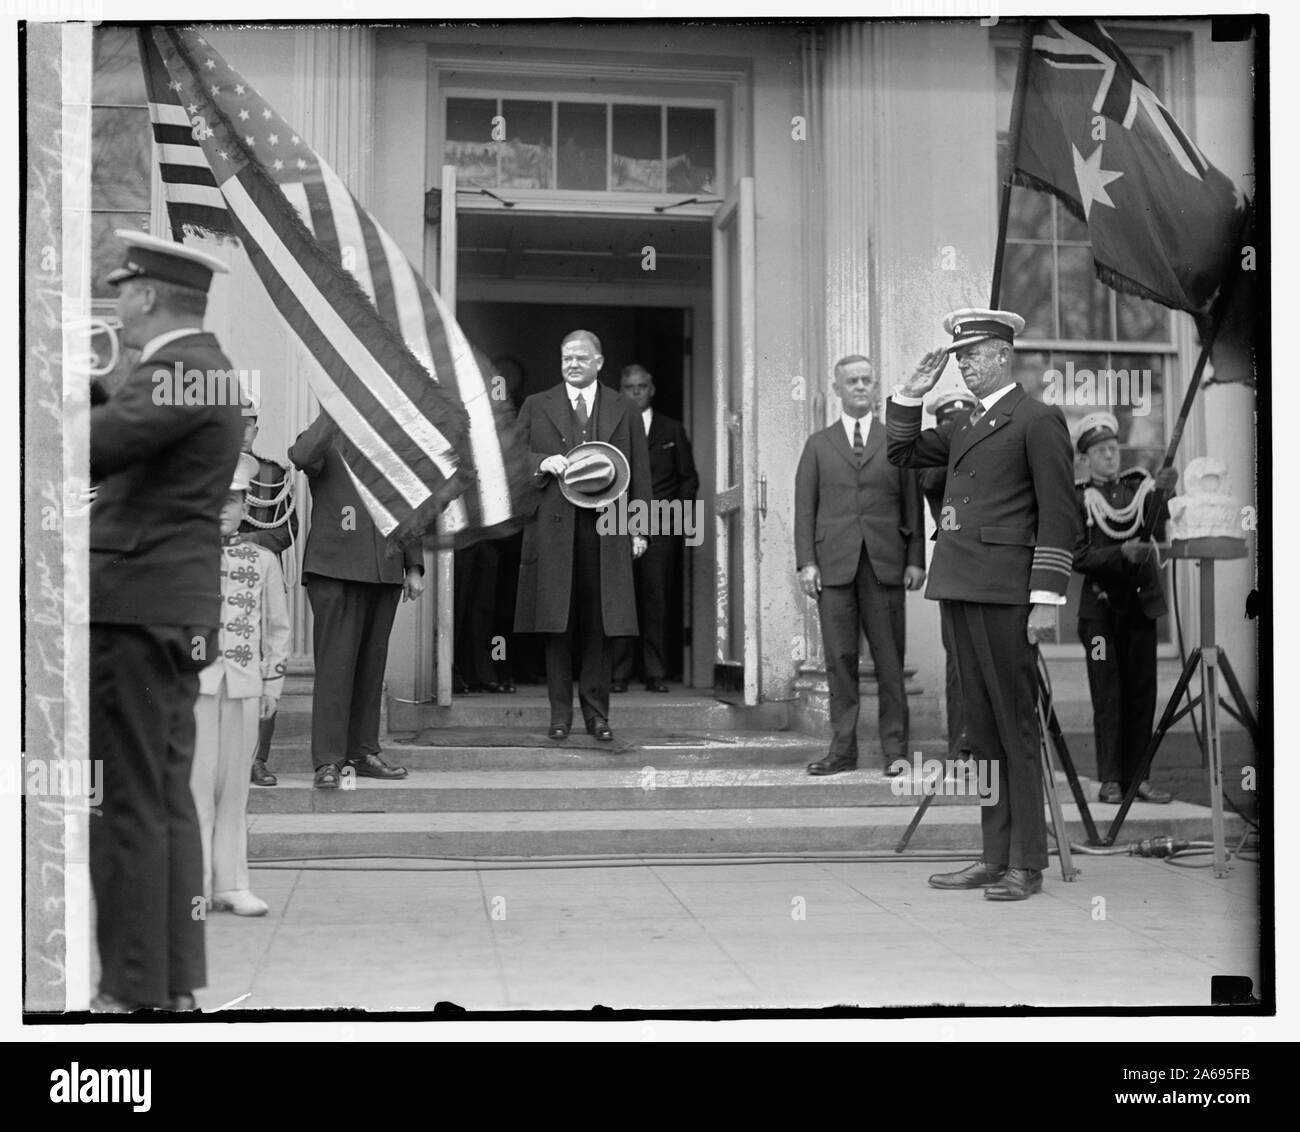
1030,369
581,146
692,150
1085,303
119,79
1068,226
1027,287
469,145
1031,215
107,252
526,153
119,161
1139,406
1140,320
638,149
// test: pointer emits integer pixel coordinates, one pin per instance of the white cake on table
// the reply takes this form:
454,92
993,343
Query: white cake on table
1207,508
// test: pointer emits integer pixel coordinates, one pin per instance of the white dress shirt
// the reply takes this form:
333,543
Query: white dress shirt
587,394
647,415
848,422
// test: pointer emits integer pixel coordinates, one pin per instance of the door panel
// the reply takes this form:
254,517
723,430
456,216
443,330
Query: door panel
736,456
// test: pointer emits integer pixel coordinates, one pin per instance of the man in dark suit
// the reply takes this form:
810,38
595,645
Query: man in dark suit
353,586
575,583
1001,566
1121,602
859,543
952,406
673,480
163,464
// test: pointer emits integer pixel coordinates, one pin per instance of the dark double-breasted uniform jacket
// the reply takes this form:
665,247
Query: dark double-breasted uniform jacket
1110,584
1008,519
164,471
840,506
546,561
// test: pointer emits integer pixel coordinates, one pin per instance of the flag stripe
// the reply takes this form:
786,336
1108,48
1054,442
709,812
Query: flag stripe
188,175
339,339
172,133
322,219
172,154
347,229
380,276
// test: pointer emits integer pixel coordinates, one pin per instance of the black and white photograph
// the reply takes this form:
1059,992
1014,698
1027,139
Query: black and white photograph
645,515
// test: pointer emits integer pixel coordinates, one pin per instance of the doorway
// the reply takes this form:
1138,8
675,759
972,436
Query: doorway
523,339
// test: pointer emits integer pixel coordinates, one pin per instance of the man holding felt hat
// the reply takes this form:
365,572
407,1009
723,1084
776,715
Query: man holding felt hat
164,469
1002,560
587,445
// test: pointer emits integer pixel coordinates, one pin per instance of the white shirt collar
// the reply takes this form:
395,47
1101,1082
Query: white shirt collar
588,394
848,422
155,344
993,398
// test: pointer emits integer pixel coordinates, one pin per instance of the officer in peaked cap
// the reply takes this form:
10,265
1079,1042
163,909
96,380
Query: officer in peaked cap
164,470
951,406
1121,601
1001,564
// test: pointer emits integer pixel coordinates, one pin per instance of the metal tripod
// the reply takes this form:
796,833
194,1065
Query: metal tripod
1050,739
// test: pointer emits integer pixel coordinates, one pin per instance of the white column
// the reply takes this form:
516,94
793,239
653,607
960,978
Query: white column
333,106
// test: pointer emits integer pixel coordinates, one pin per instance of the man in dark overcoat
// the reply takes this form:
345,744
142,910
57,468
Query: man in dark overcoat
575,583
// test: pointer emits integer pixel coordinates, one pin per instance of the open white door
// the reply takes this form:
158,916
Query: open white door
736,672
445,561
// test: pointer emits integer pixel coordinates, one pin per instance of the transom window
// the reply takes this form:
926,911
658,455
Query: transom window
581,145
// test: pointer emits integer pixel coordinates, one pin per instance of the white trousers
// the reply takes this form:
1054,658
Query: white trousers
225,740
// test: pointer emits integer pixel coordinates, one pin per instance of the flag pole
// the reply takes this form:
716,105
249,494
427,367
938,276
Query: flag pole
1219,315
1013,156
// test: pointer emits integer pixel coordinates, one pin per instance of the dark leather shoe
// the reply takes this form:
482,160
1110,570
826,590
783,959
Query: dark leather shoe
834,765
326,777
1149,793
978,875
508,688
1110,793
1017,884
618,686
894,765
558,731
261,776
372,766
600,729
181,1004
655,686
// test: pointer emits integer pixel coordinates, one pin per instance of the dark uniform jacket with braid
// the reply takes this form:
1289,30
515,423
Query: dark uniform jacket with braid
1110,582
1008,518
270,501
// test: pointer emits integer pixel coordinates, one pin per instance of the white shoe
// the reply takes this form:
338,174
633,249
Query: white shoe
240,901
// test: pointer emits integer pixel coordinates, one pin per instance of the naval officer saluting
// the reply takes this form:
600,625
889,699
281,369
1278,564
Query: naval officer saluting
164,466
1002,561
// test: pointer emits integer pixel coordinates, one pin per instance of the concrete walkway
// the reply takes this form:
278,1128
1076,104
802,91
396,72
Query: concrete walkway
1128,932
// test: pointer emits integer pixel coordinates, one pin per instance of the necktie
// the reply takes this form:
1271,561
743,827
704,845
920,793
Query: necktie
976,413
580,408
859,449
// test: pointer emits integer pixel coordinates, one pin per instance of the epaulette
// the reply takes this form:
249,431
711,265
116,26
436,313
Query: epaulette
1134,473
1081,484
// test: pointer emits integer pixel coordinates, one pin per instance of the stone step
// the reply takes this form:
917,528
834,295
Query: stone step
667,833
630,788
526,749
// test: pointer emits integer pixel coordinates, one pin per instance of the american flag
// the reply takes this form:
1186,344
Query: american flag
423,435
